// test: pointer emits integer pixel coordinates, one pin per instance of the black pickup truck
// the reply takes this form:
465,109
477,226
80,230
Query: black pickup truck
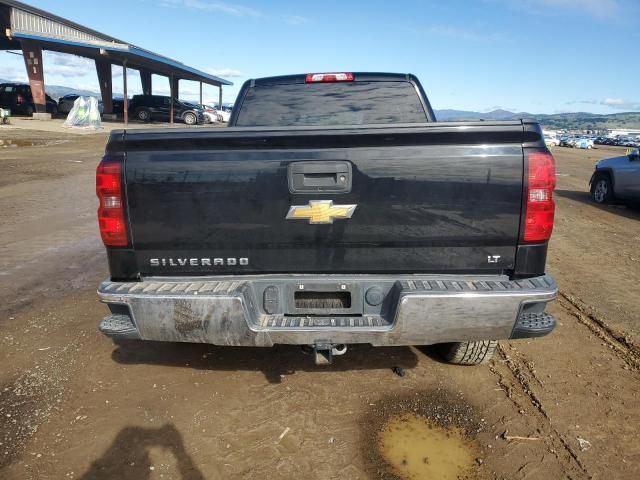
335,210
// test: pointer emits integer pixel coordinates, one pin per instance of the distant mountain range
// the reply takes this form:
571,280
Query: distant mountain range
58,91
461,115
578,120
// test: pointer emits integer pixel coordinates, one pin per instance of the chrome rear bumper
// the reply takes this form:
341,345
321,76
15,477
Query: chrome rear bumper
415,310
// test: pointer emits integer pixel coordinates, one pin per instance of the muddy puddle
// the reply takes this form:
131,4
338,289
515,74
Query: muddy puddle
416,448
22,142
425,436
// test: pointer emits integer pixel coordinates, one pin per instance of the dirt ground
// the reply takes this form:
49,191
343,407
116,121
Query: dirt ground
74,405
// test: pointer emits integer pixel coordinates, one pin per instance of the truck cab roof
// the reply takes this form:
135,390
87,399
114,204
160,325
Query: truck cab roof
357,77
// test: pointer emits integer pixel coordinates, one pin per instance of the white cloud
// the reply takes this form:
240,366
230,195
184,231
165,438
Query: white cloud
460,33
594,8
56,65
231,9
59,69
66,65
224,72
117,70
15,73
597,8
211,6
293,19
615,103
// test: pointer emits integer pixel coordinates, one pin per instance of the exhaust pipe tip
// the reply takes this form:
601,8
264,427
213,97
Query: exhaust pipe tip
339,349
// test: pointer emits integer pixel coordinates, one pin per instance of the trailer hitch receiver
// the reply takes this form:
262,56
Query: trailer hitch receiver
323,352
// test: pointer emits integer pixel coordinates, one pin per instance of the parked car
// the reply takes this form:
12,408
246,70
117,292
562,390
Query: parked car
210,114
215,114
118,105
551,140
224,113
65,104
346,219
617,178
622,141
17,98
147,108
583,143
567,141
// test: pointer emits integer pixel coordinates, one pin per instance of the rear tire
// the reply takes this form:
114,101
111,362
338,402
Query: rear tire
468,353
602,190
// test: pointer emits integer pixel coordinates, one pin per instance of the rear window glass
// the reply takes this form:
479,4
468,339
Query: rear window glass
340,103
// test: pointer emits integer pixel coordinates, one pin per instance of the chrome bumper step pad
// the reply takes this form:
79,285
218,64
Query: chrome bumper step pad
119,326
533,325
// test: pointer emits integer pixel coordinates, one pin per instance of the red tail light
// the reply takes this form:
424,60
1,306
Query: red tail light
540,208
19,99
328,77
111,217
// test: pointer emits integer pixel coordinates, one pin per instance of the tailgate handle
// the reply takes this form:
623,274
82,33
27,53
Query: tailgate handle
332,177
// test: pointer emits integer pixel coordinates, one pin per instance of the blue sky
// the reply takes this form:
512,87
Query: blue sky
539,56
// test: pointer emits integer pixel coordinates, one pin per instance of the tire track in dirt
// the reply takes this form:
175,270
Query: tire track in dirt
620,343
523,374
520,373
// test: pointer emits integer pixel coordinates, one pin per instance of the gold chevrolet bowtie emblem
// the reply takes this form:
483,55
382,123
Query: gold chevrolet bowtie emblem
320,211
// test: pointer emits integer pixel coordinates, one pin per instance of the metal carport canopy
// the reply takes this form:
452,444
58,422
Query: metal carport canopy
61,35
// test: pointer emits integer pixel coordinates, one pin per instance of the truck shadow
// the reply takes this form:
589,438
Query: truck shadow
272,362
128,456
624,209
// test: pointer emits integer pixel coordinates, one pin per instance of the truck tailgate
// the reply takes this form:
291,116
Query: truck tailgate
429,198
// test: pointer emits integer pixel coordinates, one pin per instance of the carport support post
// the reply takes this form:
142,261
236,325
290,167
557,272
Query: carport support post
32,55
200,93
220,98
145,80
103,69
171,94
126,97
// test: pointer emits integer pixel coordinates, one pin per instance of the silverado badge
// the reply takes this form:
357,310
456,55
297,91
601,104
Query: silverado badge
320,211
